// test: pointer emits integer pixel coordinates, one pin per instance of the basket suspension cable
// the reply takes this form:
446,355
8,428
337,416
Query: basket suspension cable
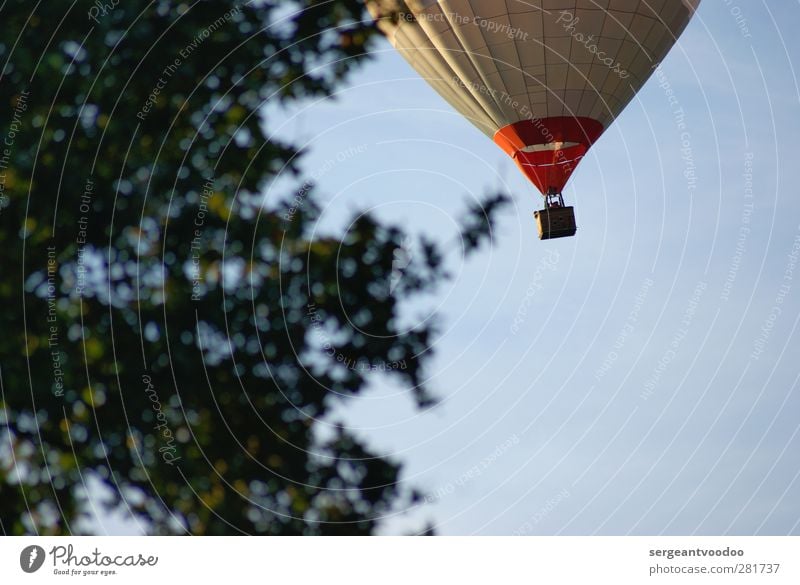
553,198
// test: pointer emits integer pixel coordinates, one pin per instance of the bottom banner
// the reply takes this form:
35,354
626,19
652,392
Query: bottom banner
356,561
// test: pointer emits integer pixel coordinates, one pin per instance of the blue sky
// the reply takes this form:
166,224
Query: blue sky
638,392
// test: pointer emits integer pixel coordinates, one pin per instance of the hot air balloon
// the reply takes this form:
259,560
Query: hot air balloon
542,78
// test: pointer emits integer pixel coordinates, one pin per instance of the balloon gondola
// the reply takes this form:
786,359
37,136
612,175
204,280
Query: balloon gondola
543,78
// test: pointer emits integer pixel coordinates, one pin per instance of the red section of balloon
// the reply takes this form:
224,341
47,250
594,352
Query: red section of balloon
550,168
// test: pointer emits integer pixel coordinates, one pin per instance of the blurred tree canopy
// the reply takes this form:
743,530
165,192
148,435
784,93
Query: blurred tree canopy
165,330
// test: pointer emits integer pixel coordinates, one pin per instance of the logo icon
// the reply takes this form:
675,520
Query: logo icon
31,558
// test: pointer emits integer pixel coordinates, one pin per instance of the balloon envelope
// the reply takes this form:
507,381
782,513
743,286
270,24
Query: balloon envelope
542,78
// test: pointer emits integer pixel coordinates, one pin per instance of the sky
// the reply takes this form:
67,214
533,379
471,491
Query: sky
639,378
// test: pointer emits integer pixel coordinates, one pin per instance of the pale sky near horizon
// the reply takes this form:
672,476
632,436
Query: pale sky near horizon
639,378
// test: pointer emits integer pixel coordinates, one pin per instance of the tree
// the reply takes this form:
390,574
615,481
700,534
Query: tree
165,330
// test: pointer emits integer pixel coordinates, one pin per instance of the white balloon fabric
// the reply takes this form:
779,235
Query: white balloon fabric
543,78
